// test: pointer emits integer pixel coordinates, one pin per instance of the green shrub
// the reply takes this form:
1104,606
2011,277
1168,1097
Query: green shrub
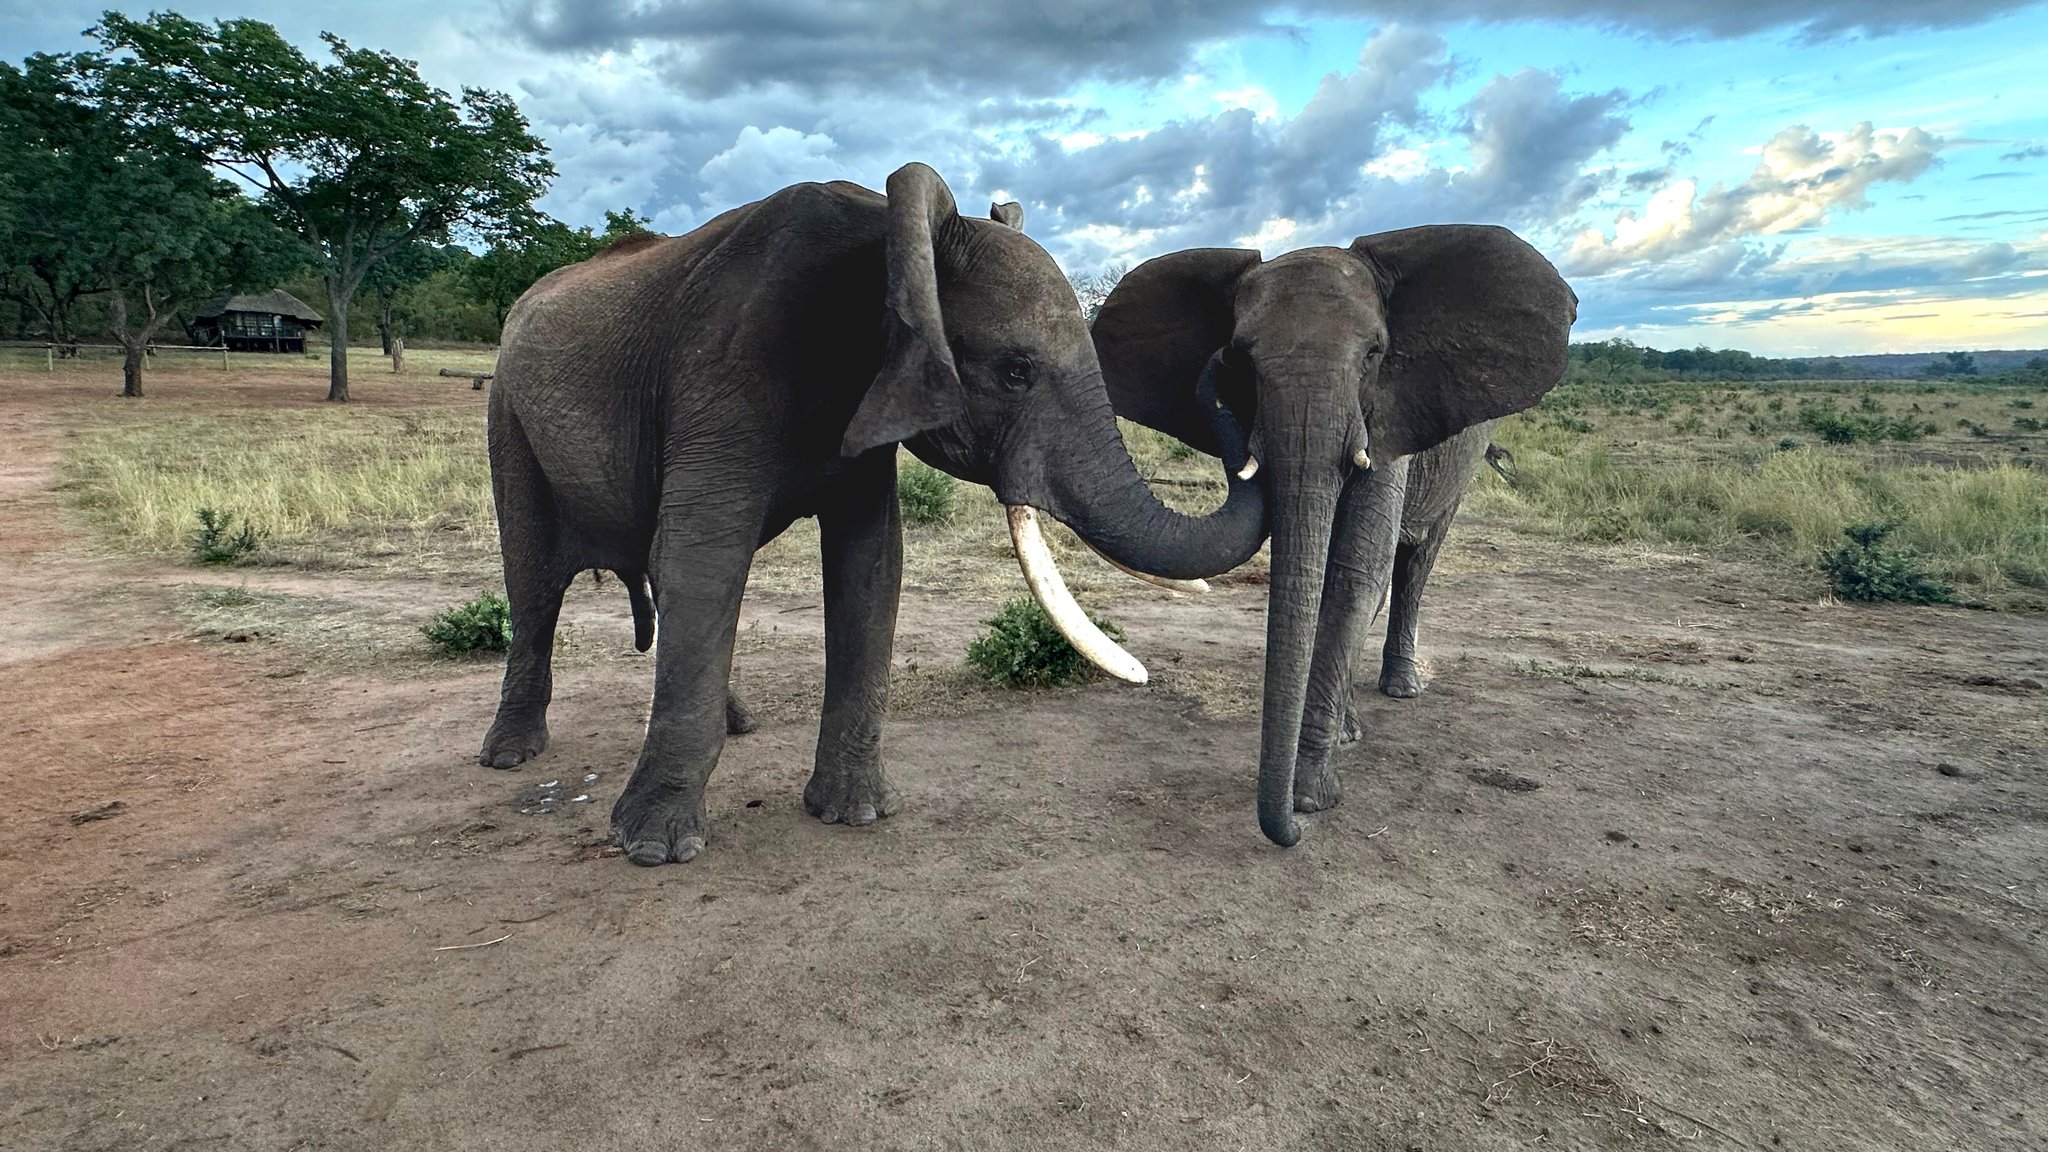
1820,417
482,625
1866,569
216,542
925,494
2026,424
1178,450
1021,648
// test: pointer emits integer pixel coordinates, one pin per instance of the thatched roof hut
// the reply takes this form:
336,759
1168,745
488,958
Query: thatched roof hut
273,321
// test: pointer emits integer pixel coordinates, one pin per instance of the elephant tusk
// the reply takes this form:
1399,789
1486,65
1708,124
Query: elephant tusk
1050,591
1250,469
1189,587
1361,459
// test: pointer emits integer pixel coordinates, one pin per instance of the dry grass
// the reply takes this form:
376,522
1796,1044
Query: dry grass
325,486
1975,506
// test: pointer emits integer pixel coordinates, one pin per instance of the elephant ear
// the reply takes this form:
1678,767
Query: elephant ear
918,387
1477,327
1009,214
1157,330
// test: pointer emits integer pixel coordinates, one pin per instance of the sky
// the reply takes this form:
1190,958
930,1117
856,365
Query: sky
1793,177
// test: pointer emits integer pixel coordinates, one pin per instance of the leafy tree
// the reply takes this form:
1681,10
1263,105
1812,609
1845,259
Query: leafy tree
131,207
359,158
40,269
391,276
1951,364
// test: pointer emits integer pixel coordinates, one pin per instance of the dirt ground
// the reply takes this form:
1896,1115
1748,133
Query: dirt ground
1669,853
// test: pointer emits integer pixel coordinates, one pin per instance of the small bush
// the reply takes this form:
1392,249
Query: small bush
1021,648
2026,424
1178,450
1833,427
482,625
2021,403
1865,569
217,542
925,494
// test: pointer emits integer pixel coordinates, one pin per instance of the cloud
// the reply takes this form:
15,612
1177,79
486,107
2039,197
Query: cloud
1366,153
715,47
2031,152
1802,176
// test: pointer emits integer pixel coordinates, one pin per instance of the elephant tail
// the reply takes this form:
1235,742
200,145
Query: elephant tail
643,609
1502,461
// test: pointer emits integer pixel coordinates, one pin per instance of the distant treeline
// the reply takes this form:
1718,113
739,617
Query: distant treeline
1624,361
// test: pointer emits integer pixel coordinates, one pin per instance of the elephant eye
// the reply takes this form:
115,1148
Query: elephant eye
1014,370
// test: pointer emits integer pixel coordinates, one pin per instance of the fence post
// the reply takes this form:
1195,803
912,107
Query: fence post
223,355
50,358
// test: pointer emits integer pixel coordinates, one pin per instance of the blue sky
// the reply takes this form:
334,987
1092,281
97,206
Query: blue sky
1789,176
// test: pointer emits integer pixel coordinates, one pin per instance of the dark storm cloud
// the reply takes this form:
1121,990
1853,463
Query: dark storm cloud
1040,48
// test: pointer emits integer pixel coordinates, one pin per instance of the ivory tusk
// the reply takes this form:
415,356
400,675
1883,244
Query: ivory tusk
1190,587
1050,591
1361,458
1250,469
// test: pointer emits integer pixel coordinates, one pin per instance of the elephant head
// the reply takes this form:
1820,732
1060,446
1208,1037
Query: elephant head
988,373
1336,358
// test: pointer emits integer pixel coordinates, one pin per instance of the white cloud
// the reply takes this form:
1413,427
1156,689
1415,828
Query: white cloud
1801,176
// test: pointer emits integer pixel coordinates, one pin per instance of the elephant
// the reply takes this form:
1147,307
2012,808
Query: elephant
1368,376
667,407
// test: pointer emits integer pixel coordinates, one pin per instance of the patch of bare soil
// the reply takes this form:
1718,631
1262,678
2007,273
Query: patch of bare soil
1664,855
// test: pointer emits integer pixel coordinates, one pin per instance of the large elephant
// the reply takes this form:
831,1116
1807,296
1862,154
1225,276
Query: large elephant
1367,375
667,407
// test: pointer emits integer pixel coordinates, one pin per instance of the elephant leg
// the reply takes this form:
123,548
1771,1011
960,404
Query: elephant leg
739,719
1361,548
1399,676
862,540
535,580
701,557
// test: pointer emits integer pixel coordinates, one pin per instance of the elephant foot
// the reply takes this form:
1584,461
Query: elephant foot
739,719
1401,679
513,741
1317,787
856,796
659,826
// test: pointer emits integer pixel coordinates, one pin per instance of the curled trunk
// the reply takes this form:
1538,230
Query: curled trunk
1117,513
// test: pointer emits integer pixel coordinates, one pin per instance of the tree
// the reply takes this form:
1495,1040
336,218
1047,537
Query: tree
408,266
358,158
40,268
1092,288
134,209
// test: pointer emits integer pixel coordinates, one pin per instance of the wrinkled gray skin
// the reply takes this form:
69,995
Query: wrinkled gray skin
664,409
1400,347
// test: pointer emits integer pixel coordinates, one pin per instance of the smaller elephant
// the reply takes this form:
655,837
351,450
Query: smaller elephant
1369,376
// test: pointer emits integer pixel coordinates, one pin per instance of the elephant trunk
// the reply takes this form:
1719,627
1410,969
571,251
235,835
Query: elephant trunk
1309,458
1113,509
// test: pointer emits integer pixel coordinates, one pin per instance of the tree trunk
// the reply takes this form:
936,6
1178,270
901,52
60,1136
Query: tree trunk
384,319
131,369
337,334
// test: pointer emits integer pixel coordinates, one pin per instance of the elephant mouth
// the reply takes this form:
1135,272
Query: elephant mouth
1050,590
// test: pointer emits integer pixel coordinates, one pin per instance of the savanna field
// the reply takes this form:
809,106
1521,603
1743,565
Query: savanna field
1683,844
